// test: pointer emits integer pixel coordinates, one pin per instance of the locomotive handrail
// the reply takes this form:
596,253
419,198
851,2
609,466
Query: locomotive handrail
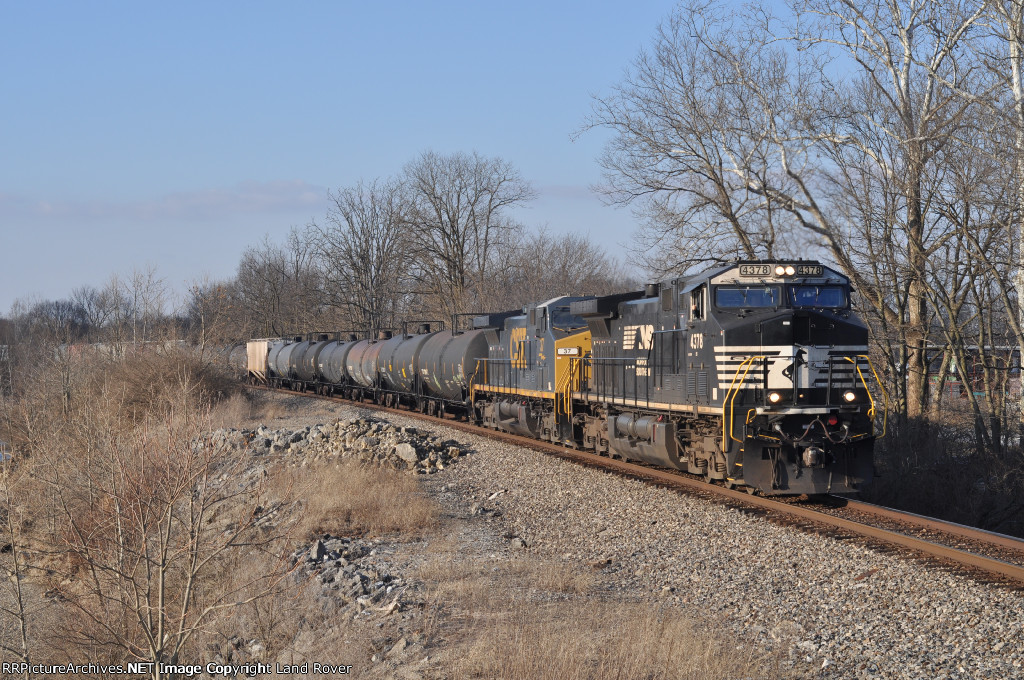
599,362
510,376
734,391
751,412
472,380
566,388
885,394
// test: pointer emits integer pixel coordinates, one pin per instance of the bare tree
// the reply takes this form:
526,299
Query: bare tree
457,218
279,286
693,141
156,518
119,312
15,607
888,131
362,252
1008,65
94,310
210,311
147,294
572,264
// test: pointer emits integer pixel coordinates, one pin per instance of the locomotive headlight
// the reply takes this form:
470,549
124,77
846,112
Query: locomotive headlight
849,396
774,397
790,270
780,270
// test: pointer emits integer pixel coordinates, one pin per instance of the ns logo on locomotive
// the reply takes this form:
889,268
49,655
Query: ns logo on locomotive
754,373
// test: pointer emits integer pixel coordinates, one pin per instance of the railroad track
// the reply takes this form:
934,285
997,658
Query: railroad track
980,554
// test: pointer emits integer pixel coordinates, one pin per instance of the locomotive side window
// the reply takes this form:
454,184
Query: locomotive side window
697,304
831,297
749,296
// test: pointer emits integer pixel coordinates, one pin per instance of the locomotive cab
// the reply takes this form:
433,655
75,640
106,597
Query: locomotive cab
797,411
528,368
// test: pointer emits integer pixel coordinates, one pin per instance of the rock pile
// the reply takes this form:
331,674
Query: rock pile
366,440
351,580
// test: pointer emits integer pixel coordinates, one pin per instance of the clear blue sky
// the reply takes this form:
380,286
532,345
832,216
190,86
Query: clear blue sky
178,134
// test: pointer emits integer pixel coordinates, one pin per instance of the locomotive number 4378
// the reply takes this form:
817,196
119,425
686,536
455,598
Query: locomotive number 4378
769,270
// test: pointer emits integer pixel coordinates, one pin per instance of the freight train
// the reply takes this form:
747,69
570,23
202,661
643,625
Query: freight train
754,373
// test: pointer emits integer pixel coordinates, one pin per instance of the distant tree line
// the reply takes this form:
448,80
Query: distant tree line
436,240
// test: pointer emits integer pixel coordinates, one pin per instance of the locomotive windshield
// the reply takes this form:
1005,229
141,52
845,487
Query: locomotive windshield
749,296
563,320
830,297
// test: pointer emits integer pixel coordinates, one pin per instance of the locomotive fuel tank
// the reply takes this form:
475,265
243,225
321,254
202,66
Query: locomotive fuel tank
447,362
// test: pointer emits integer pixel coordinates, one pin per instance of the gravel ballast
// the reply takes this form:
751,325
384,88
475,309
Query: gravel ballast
829,608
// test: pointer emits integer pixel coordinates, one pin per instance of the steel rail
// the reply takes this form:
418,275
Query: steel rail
674,478
988,564
931,523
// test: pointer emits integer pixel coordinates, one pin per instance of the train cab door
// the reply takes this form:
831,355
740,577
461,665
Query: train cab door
682,332
696,378
542,350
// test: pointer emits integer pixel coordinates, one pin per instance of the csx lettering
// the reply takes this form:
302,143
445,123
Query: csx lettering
517,349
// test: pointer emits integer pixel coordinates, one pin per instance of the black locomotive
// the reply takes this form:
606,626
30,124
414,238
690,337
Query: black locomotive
754,373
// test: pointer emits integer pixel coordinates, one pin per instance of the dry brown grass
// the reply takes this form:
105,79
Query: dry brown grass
560,577
593,639
250,408
238,411
530,618
273,410
347,498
